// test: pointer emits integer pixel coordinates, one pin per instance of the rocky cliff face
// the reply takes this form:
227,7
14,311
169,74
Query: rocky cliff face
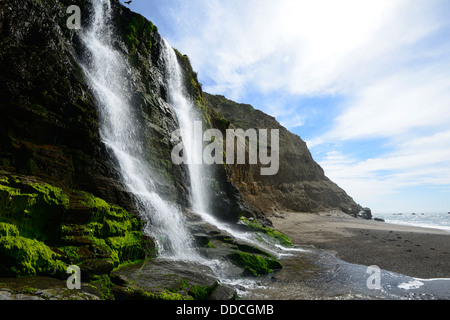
49,123
59,186
300,184
62,200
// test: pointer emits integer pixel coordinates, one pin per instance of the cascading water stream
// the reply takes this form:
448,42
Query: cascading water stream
199,195
107,72
187,116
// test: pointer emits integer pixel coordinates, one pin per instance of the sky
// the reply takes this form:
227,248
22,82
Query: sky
366,83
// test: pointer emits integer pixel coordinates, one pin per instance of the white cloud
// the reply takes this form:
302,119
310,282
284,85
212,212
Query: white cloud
404,102
416,161
292,121
302,47
411,110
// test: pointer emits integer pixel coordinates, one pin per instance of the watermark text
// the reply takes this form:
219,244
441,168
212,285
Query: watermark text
74,21
74,281
374,280
258,149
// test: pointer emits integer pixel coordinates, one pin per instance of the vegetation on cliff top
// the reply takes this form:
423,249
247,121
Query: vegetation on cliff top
138,32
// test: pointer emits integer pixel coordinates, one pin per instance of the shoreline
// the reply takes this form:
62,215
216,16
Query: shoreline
409,250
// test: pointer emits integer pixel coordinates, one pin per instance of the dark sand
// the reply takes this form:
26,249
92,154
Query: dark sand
417,252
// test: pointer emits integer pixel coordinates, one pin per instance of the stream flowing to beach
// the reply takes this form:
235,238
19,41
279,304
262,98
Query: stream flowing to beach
200,198
318,274
108,74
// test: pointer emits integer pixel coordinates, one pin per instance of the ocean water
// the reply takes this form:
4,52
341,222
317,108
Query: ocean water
418,219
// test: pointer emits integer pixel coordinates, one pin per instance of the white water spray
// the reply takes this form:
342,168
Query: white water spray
107,72
187,115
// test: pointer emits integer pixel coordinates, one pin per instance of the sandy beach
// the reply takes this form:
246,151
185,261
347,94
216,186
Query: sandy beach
417,252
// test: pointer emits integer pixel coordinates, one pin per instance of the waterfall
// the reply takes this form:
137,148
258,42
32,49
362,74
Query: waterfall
107,72
187,115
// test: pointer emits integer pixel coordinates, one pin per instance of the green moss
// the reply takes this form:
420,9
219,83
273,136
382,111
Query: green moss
196,292
39,212
255,265
128,248
138,30
110,228
210,245
201,292
29,290
167,295
71,254
107,220
8,191
140,294
251,249
8,230
52,195
257,226
104,285
27,257
35,208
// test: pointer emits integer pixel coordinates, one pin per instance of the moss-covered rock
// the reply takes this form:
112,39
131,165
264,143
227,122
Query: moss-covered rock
103,231
254,265
35,207
158,279
26,257
139,31
44,227
272,233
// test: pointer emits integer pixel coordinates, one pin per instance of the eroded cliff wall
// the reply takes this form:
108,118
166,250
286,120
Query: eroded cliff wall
300,184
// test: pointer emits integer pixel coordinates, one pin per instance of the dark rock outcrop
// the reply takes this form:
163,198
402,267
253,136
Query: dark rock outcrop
49,121
365,213
169,279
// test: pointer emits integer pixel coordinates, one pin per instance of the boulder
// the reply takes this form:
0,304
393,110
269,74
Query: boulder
365,213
